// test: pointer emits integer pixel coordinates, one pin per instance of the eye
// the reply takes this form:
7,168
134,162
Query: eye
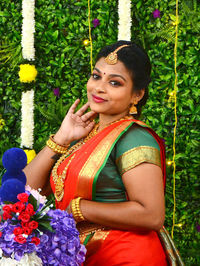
115,83
95,76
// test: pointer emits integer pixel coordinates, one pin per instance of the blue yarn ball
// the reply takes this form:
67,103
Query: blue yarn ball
19,176
14,160
10,189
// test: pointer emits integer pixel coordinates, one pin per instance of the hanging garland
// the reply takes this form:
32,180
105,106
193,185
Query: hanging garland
28,29
124,24
27,73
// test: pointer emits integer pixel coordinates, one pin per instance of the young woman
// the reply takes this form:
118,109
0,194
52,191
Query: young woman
112,178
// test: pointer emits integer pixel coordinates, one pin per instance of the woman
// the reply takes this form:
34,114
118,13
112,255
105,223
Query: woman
112,178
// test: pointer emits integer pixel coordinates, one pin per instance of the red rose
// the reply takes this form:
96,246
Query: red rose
6,215
24,217
7,208
0,234
24,224
20,239
27,231
23,197
35,240
33,225
18,207
18,231
30,209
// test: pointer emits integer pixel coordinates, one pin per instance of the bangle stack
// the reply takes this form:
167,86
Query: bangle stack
75,207
56,147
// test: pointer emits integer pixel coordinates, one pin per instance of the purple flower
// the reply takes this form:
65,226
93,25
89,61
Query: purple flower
96,22
198,228
56,92
156,13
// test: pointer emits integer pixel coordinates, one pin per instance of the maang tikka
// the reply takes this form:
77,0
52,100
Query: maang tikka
112,58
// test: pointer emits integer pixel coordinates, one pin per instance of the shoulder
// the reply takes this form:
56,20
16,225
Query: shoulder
137,145
135,136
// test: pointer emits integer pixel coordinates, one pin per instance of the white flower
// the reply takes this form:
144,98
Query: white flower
41,199
124,26
27,260
28,29
27,124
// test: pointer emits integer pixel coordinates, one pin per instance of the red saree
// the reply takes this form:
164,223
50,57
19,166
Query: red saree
106,246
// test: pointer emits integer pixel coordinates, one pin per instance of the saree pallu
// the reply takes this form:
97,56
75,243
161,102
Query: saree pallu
106,246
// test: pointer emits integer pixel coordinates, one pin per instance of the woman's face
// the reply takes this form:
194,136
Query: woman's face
110,89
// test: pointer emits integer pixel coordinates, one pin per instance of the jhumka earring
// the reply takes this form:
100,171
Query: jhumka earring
111,59
133,109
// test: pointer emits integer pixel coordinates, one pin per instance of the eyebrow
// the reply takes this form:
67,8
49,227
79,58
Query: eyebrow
111,75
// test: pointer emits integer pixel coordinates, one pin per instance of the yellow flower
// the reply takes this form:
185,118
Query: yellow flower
27,73
30,155
2,122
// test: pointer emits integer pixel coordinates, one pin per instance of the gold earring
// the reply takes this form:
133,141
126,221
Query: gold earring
133,109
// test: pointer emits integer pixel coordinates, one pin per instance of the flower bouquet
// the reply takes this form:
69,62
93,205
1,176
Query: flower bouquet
32,232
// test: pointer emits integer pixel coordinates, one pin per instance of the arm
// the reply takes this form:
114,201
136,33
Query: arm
145,208
74,126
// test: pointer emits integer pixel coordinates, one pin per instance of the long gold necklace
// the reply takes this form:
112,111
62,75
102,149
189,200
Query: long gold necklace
59,179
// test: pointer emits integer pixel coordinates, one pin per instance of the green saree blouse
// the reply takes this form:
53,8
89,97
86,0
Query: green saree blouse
136,146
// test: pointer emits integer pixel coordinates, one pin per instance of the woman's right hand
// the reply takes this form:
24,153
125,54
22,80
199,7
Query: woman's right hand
75,125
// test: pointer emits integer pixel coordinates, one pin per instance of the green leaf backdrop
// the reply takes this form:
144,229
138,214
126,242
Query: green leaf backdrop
63,62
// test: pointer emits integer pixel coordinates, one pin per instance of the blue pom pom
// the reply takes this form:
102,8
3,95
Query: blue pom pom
14,160
10,189
19,176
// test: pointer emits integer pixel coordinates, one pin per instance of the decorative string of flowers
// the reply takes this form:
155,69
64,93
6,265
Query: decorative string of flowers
28,29
27,72
27,124
124,24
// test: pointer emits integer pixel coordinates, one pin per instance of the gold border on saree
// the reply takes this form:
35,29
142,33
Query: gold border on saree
138,155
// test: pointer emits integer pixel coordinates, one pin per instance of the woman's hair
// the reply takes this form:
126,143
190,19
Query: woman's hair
136,62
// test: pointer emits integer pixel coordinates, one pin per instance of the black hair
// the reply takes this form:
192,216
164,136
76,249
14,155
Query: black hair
137,63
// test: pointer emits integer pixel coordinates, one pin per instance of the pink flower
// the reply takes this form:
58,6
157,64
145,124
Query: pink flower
96,22
156,13
36,195
56,92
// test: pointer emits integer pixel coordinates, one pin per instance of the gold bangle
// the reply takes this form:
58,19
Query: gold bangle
75,207
56,147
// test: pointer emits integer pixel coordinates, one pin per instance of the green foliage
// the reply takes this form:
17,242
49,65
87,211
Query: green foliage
63,62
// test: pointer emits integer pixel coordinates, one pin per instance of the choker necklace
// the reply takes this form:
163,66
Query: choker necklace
59,179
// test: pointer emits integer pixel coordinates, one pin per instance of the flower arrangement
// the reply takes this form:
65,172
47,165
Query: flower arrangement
29,227
124,24
32,232
27,123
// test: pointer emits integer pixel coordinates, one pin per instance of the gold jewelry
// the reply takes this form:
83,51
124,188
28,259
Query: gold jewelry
59,179
76,211
56,147
112,58
133,109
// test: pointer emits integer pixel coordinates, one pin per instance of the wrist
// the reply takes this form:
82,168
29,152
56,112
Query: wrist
76,210
61,139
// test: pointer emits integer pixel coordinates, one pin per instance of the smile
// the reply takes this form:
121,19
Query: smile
97,99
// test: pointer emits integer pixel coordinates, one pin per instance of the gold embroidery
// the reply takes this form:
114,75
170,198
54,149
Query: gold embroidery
138,155
99,232
94,162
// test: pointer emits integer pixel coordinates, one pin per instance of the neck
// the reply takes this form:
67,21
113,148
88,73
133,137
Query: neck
105,120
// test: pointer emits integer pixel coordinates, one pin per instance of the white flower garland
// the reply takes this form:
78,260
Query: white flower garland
124,26
27,124
28,29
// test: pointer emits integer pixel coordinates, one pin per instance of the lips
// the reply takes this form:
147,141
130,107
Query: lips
97,99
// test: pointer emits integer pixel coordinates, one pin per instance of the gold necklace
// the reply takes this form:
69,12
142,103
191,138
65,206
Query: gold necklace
59,179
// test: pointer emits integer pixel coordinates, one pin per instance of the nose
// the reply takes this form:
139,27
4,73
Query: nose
100,87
